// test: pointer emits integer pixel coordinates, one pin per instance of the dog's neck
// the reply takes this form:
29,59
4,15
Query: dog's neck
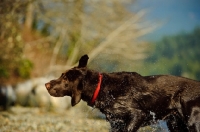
96,92
91,87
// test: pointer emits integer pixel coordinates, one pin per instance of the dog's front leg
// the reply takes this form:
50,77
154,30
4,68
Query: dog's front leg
136,118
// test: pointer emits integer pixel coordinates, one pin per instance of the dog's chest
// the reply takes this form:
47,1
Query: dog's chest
105,101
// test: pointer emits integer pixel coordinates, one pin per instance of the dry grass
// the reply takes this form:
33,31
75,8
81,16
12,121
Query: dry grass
77,119
23,119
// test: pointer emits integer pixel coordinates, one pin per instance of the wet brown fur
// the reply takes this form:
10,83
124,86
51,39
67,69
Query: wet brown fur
127,98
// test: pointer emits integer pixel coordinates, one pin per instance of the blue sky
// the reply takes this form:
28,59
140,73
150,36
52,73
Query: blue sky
176,15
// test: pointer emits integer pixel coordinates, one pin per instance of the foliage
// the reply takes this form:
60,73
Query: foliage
80,27
24,68
53,35
11,55
177,55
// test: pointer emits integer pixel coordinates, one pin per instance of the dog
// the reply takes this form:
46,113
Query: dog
127,98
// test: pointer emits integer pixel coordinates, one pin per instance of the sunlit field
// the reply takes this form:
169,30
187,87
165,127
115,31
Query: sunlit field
79,119
26,119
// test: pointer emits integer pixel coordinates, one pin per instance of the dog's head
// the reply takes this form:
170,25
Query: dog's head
69,83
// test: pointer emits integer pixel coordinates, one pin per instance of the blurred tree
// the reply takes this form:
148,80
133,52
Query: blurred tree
94,27
177,55
12,62
55,33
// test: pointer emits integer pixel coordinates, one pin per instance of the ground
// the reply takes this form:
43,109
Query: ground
24,119
78,119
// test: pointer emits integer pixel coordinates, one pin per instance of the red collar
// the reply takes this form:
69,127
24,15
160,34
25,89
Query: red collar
96,92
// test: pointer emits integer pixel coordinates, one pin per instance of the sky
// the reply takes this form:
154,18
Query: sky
176,16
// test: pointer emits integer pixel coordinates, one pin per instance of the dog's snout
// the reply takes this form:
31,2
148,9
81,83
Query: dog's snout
48,85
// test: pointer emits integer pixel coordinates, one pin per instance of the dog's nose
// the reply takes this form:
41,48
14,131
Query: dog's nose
48,85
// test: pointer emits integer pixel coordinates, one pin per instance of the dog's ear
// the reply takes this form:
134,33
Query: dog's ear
76,97
76,93
83,61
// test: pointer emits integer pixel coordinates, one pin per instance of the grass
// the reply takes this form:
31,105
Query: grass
26,119
77,119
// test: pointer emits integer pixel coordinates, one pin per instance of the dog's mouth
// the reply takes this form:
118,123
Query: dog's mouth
53,91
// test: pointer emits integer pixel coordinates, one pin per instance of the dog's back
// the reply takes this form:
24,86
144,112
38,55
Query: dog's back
127,98
163,92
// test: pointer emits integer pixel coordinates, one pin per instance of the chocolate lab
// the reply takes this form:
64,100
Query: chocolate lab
127,98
